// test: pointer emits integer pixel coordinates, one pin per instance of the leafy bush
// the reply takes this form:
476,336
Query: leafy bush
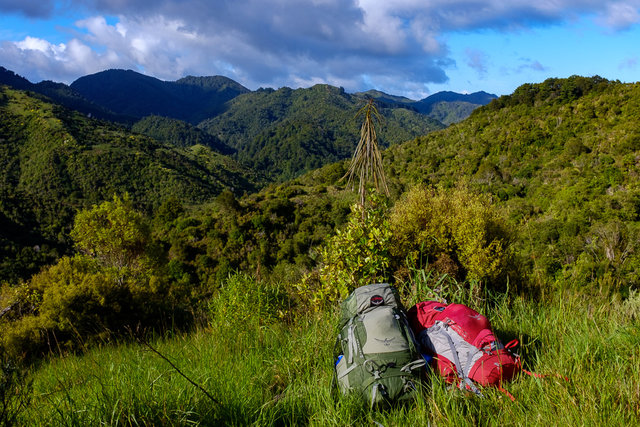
81,302
112,232
453,231
355,256
121,280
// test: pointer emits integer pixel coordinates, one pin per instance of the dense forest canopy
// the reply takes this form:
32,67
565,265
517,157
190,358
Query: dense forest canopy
286,132
560,158
54,161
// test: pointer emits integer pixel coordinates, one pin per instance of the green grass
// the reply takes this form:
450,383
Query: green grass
276,373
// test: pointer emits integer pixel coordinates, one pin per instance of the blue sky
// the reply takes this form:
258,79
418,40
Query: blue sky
403,47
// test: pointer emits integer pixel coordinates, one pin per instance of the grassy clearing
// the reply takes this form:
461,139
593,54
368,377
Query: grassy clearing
273,373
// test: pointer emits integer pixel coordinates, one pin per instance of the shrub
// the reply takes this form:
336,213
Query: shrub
80,302
355,256
120,280
454,232
451,230
113,232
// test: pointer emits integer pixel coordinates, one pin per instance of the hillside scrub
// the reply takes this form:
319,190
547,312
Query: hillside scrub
54,162
117,281
445,231
453,231
559,160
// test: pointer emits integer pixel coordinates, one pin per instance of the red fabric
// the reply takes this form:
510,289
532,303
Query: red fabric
494,367
472,326
422,315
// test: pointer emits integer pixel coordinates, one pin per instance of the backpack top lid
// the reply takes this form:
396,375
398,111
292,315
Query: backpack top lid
367,297
468,323
423,315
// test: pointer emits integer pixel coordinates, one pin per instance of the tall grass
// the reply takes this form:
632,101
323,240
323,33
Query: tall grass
262,370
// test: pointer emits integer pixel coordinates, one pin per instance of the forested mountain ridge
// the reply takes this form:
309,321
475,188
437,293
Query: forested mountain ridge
281,133
127,92
446,107
286,132
558,159
54,161
477,98
63,95
179,133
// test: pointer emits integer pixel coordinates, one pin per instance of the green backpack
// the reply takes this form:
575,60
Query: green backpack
379,357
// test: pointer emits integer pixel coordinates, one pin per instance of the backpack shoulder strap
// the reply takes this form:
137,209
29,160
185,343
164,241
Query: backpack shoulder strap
464,377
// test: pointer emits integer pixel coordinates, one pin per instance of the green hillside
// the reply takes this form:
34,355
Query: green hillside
558,167
62,94
559,157
178,133
556,157
54,161
286,132
451,112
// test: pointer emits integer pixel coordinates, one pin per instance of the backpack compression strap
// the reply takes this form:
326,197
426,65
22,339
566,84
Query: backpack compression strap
456,360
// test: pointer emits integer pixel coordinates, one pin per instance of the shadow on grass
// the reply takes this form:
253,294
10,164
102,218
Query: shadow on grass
528,347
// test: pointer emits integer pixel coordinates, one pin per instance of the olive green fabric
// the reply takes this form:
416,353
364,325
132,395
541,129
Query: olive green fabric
380,359
360,300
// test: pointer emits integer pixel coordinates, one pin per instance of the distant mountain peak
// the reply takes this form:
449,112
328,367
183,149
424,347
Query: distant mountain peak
211,82
382,96
191,99
14,80
447,107
480,97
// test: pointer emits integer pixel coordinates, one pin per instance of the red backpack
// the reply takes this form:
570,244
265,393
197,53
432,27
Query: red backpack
464,349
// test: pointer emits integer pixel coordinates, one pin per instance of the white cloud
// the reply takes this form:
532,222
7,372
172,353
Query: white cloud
32,43
38,59
620,15
396,43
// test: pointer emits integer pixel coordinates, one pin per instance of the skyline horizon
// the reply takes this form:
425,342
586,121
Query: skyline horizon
479,90
404,47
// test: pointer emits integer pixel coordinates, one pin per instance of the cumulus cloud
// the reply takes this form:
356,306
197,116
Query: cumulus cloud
352,43
37,59
620,15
